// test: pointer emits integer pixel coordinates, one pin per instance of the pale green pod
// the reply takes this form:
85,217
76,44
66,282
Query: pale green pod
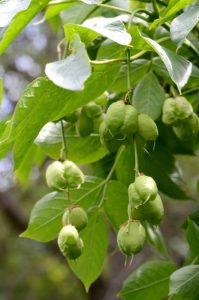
74,251
67,236
75,216
84,124
146,187
55,176
176,110
131,237
188,130
147,128
152,211
115,117
92,110
102,99
73,174
134,198
130,122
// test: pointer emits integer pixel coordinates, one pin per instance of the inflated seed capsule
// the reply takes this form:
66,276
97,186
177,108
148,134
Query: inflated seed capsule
188,130
115,117
73,117
84,124
74,251
146,187
73,174
176,110
75,216
93,110
55,176
67,236
147,128
131,237
152,211
130,122
102,99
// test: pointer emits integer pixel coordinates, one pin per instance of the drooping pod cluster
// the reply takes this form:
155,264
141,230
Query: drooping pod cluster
74,220
122,122
178,113
144,205
61,176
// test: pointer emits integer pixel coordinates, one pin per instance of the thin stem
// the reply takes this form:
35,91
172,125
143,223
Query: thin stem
155,7
103,191
128,59
114,8
136,158
63,152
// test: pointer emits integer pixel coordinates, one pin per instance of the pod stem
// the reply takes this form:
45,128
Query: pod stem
63,152
104,187
136,158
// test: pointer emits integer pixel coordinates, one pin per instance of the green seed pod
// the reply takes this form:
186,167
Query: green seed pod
188,130
130,122
67,236
131,237
73,117
75,216
147,128
55,176
152,211
102,99
73,174
175,110
74,251
96,123
115,117
134,197
146,188
93,110
84,124
136,213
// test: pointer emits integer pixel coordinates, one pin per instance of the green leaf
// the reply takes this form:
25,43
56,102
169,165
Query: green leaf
20,21
148,96
42,101
89,265
91,1
156,239
53,10
86,35
9,8
81,150
161,165
150,281
178,67
1,92
77,13
45,219
116,203
71,72
125,166
138,69
183,24
185,281
112,28
173,7
110,49
192,233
